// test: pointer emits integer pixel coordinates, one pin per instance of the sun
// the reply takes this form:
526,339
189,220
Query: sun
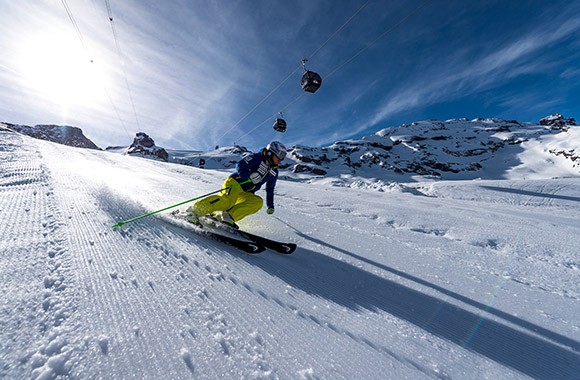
56,67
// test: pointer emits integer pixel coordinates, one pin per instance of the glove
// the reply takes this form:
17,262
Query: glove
270,210
255,177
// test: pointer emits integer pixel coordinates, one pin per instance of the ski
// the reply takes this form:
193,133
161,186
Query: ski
278,246
251,247
281,247
246,246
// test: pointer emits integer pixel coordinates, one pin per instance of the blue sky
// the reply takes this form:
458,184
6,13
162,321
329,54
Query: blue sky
196,74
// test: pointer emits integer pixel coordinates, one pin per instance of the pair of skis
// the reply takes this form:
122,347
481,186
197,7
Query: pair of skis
245,241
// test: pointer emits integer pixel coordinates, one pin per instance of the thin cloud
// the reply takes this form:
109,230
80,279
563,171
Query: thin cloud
196,69
447,83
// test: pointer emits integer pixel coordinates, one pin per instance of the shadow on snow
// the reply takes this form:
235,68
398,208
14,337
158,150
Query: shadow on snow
537,352
531,193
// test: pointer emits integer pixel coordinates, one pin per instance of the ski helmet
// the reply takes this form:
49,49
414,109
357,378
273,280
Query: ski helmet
278,149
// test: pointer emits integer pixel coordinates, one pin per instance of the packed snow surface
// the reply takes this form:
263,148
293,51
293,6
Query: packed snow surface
444,280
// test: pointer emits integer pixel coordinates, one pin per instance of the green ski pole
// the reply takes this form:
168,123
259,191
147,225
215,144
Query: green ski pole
120,224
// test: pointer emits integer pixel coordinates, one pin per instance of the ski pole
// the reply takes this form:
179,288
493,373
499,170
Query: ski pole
120,224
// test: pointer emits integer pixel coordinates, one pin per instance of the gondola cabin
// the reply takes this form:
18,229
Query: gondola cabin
280,125
311,81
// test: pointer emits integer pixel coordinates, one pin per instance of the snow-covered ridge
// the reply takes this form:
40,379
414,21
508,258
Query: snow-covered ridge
451,149
456,149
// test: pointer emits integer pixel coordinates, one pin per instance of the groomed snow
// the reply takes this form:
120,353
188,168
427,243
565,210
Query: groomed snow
445,280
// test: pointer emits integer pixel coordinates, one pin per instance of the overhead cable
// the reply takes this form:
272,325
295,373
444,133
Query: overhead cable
381,36
120,55
358,53
338,30
295,70
76,27
82,40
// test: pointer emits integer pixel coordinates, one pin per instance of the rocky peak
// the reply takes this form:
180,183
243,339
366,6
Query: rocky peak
557,121
61,134
144,145
143,139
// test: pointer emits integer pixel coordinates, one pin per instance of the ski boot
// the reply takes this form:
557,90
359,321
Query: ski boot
227,219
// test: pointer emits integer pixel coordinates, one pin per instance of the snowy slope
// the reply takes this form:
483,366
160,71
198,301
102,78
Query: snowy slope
447,280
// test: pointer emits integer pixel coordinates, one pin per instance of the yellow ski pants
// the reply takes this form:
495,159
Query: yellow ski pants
237,202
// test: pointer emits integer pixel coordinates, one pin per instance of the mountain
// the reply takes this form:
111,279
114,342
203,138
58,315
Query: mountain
434,280
62,134
452,149
145,146
456,149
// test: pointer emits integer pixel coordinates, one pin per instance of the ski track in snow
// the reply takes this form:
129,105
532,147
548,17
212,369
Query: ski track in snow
38,333
380,287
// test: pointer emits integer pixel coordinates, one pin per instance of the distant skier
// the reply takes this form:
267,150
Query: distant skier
238,201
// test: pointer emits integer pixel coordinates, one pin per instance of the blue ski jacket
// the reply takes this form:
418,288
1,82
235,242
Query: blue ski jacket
260,163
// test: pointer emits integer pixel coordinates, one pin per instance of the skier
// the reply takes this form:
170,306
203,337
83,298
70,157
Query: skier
237,201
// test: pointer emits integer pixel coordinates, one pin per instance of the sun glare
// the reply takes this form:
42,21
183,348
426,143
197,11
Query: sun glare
57,67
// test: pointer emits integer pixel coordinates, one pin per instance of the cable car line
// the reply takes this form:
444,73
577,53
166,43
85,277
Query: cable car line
115,108
382,35
259,103
295,70
120,55
358,53
271,116
76,27
338,30
87,52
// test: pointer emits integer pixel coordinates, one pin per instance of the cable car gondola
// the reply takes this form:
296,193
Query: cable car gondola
280,124
311,81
